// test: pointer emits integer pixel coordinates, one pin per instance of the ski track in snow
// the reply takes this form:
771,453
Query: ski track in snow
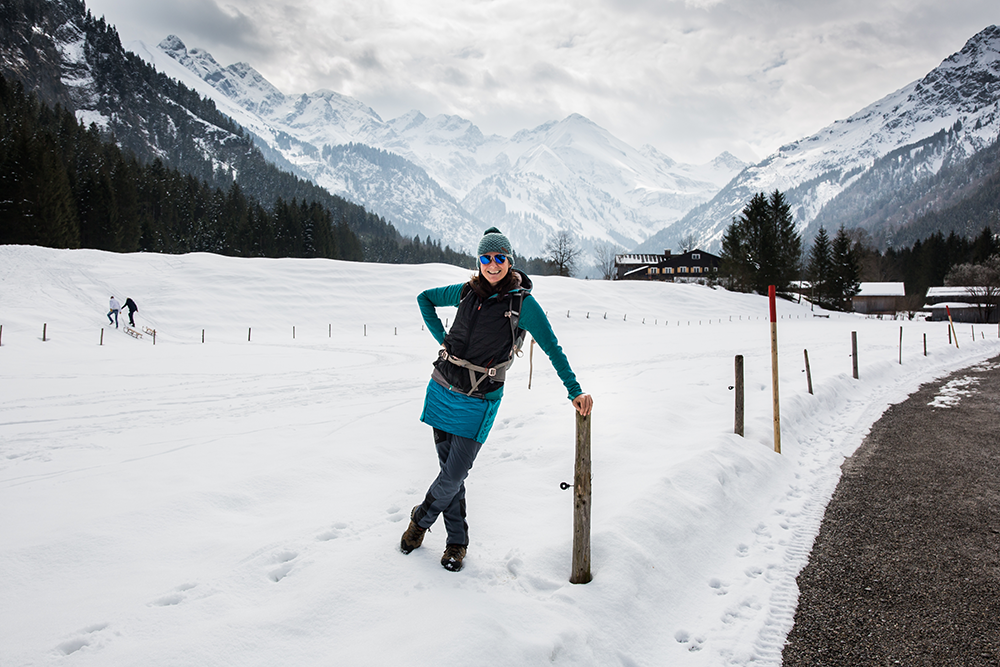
203,504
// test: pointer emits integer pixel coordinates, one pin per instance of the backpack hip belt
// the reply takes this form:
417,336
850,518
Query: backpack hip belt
498,372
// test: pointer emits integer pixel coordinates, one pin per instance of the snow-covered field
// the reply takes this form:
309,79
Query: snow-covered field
240,502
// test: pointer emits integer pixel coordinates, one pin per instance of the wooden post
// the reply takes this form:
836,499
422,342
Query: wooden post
900,346
293,332
329,331
45,326
951,326
949,335
581,503
202,335
249,330
854,353
102,335
738,420
1,334
154,336
366,330
809,377
774,369
925,344
531,361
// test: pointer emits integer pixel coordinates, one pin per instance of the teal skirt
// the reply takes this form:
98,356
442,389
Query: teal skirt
454,412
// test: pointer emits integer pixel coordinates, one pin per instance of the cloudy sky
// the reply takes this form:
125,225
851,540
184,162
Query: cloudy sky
691,77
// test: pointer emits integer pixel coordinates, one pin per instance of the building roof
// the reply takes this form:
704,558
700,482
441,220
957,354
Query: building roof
938,292
882,289
637,259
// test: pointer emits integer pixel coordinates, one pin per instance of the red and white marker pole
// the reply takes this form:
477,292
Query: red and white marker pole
774,368
951,325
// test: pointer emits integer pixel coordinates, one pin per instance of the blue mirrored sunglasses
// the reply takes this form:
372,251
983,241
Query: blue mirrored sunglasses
485,259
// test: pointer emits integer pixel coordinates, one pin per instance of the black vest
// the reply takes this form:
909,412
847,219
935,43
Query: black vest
481,335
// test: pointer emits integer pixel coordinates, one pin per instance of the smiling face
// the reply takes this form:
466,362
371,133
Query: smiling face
494,272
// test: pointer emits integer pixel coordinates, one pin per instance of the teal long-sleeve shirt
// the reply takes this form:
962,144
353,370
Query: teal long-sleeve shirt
533,320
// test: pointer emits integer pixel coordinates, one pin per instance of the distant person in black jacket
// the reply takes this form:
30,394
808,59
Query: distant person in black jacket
132,309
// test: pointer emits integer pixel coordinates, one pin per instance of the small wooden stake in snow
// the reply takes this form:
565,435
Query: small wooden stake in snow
925,345
102,335
581,503
249,329
44,328
900,346
738,421
774,368
854,353
531,361
809,376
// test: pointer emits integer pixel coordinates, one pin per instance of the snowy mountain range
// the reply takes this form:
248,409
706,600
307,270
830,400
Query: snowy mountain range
939,121
443,177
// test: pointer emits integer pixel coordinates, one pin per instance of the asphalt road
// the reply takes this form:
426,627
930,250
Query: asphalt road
906,567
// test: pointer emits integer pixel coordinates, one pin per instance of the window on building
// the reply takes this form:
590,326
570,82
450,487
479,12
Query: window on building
696,255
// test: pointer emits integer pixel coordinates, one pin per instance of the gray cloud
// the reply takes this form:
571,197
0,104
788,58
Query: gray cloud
692,77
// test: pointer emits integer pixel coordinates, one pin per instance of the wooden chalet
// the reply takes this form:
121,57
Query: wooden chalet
692,266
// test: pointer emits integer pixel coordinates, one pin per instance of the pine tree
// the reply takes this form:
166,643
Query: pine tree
844,283
820,267
762,247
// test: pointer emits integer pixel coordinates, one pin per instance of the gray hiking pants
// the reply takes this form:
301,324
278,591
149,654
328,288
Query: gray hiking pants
446,496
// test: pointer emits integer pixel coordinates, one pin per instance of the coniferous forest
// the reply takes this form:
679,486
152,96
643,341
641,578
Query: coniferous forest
66,186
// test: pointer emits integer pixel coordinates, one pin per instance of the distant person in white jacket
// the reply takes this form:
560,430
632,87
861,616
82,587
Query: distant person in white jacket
115,307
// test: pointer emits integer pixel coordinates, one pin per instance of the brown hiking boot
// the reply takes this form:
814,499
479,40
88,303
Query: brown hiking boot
413,537
453,556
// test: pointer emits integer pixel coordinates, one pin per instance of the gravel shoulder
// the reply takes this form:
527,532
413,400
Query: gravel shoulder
906,567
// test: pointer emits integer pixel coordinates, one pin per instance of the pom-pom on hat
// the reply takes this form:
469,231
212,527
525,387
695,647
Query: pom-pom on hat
494,241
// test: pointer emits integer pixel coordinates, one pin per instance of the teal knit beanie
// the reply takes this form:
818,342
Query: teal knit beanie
494,241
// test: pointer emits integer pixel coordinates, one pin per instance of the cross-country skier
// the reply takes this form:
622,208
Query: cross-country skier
495,308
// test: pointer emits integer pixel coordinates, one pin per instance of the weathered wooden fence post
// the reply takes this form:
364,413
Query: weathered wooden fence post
854,353
531,361
809,377
774,369
738,420
581,503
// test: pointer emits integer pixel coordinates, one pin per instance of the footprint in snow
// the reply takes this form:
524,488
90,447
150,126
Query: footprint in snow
85,637
174,597
284,559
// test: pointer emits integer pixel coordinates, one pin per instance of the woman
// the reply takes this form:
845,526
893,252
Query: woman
495,308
